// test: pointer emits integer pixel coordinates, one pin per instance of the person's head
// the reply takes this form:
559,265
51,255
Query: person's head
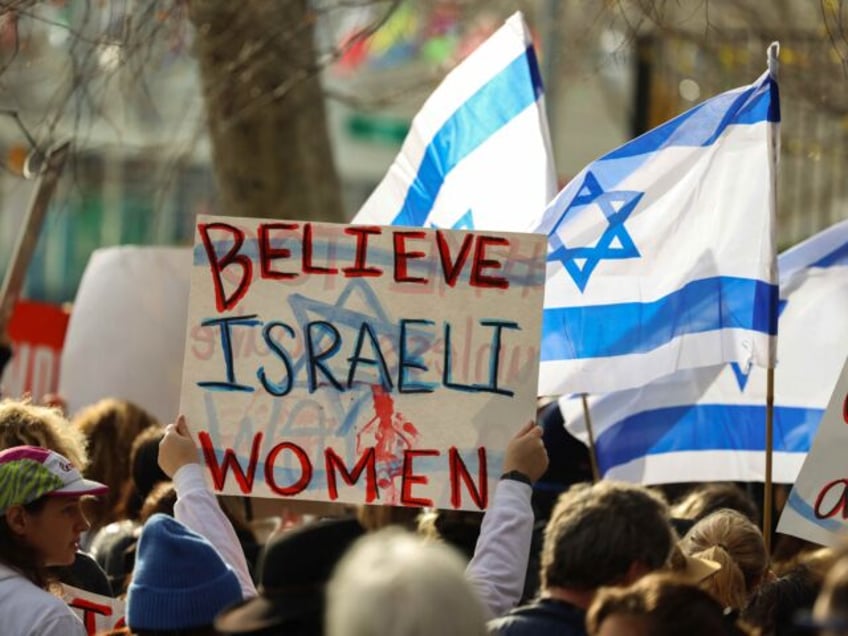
294,570
705,499
690,569
180,582
458,528
25,424
830,612
775,604
40,516
393,583
659,605
606,534
145,472
731,539
111,426
161,500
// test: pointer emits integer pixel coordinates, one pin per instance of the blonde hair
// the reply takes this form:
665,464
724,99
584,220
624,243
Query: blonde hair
727,585
393,583
25,424
728,537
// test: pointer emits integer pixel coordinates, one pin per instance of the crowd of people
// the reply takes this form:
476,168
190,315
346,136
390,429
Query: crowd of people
113,502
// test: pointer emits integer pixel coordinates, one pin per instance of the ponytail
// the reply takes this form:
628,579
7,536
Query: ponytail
727,585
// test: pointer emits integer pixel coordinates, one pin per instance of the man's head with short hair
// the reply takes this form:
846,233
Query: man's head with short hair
597,533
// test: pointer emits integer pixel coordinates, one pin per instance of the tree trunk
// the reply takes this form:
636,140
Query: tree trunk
265,106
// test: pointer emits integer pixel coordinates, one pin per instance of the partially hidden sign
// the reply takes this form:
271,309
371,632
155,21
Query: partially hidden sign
360,364
37,331
817,509
98,613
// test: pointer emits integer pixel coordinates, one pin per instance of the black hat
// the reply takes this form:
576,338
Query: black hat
293,571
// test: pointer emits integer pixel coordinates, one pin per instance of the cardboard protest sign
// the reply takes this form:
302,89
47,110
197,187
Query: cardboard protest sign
817,509
127,330
360,364
98,613
37,331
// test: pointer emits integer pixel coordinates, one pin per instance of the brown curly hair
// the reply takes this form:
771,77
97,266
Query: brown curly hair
110,426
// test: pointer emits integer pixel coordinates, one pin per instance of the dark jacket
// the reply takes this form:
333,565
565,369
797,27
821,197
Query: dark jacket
85,574
541,618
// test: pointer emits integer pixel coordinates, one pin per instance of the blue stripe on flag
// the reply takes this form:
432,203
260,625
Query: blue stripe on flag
750,106
839,256
702,427
709,304
497,103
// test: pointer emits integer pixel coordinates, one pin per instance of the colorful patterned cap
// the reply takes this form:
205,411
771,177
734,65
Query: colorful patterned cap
30,472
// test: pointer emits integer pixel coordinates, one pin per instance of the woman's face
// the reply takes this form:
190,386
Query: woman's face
54,531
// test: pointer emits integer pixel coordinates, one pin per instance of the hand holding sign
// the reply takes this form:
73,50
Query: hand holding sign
177,448
526,452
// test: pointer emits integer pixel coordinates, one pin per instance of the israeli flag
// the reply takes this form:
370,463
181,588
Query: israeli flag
478,155
661,254
708,424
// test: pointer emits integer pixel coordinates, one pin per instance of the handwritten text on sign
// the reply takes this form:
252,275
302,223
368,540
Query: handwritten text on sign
817,509
98,613
359,363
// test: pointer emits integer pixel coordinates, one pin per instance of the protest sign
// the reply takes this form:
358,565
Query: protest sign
98,613
126,335
360,364
817,509
37,332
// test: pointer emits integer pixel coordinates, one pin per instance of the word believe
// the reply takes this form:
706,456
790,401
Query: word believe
407,247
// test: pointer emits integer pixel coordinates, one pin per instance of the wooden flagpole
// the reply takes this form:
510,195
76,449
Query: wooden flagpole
45,186
593,454
768,496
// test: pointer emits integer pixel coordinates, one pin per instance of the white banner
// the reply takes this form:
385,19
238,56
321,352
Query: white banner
127,330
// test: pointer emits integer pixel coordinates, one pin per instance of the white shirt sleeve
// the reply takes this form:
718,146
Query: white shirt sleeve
67,625
499,565
198,509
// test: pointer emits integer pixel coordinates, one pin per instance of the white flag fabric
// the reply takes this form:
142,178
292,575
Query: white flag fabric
478,155
708,424
661,253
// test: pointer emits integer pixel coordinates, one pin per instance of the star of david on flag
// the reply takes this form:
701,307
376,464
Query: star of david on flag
479,143
707,424
661,253
614,243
